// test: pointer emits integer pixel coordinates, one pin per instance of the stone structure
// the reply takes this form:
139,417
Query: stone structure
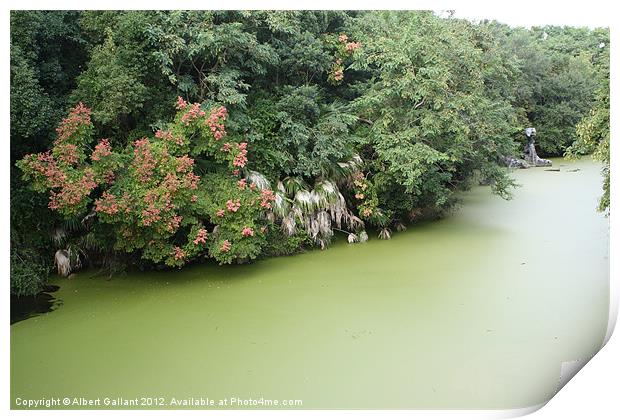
531,157
513,162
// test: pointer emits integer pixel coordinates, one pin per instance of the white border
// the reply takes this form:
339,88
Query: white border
592,394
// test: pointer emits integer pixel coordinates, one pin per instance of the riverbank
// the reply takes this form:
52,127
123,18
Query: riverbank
477,310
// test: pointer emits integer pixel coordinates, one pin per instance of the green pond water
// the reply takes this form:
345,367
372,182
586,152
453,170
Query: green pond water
477,310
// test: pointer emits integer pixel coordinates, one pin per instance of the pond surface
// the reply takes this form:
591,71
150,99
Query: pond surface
477,310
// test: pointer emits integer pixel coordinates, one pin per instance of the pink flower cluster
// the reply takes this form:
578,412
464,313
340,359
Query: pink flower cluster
107,204
78,117
226,147
171,183
67,153
352,46
178,253
168,136
220,213
241,159
233,206
267,197
153,210
242,183
143,160
72,193
150,215
216,122
193,113
109,177
225,247
181,104
45,165
247,231
102,149
184,163
201,237
191,180
173,223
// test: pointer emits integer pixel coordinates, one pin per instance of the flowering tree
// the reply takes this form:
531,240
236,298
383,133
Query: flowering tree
344,48
64,171
238,210
150,194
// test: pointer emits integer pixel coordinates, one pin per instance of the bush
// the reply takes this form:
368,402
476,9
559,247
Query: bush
28,276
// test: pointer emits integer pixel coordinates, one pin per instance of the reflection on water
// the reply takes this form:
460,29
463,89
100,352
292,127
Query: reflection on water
478,310
25,307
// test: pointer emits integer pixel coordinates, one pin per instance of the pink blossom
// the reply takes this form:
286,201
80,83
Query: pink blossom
215,121
168,136
150,215
181,104
192,114
184,163
45,165
79,116
201,237
233,206
174,223
191,180
178,253
109,177
67,153
267,197
143,162
107,204
72,193
102,149
220,213
171,183
225,246
352,46
247,231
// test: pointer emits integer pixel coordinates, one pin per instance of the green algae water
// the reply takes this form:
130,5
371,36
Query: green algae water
478,310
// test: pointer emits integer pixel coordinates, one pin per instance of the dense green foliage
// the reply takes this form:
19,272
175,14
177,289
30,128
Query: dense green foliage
562,72
47,53
593,134
235,135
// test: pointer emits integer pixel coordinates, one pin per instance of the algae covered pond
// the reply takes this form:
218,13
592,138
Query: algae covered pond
477,310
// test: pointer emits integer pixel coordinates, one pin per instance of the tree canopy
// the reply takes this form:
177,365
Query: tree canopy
158,138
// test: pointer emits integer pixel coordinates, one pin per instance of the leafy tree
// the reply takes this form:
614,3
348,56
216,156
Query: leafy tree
431,123
47,52
298,124
593,136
